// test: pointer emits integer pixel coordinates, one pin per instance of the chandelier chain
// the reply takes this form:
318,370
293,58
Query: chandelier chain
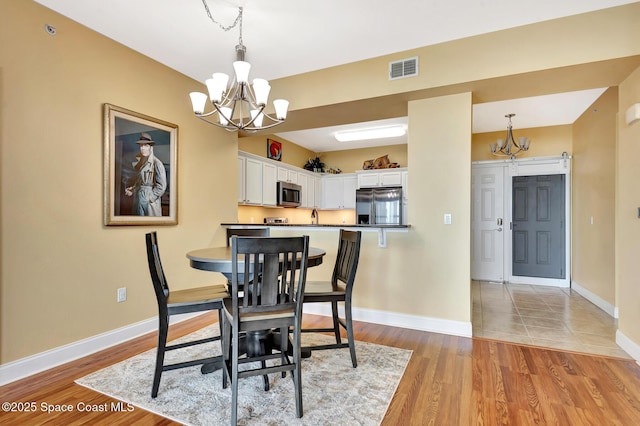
235,23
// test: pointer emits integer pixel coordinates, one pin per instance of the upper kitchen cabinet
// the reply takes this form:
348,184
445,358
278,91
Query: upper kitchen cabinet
269,184
380,178
249,181
286,174
338,192
308,193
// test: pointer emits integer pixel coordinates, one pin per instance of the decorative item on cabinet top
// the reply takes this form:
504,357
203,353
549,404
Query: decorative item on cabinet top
379,163
314,165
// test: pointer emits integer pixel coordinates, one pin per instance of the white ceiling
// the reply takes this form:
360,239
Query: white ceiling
538,111
288,37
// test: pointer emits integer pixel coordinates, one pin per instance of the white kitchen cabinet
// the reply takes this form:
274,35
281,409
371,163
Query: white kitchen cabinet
339,192
390,178
241,178
318,193
253,182
308,184
379,178
269,184
286,174
368,180
249,180
350,184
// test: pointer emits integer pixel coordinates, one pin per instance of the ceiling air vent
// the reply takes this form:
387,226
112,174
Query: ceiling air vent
404,68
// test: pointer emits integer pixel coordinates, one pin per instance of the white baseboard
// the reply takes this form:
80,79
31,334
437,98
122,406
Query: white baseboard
595,299
629,346
393,319
16,370
549,282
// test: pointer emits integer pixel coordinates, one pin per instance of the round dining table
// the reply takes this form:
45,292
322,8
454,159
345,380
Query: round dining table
218,259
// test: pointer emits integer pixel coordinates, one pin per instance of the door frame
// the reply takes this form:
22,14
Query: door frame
534,166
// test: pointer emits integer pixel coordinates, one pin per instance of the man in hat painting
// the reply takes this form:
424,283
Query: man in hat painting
150,181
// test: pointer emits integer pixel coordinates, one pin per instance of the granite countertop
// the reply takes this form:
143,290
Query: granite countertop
320,225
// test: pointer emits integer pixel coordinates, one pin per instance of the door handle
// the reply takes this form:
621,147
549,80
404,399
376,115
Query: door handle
499,229
499,221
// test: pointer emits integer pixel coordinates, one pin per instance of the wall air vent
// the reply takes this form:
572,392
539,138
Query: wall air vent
404,68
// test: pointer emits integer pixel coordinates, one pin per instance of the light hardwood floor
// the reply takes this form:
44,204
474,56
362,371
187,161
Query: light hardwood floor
449,381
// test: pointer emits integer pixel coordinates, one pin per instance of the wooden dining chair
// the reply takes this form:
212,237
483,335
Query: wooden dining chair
242,232
339,289
275,303
198,299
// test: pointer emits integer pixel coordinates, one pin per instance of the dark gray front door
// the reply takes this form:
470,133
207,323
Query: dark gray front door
539,226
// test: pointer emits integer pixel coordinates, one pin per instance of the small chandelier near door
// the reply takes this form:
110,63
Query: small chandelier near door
239,106
509,147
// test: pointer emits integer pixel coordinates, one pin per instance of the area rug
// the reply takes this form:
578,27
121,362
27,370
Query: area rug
333,392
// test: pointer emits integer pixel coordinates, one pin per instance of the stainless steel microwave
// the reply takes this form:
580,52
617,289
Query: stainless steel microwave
289,194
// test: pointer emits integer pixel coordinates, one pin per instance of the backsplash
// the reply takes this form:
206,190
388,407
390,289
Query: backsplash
255,214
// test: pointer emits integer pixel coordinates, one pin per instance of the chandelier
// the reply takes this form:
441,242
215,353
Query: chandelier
509,147
239,106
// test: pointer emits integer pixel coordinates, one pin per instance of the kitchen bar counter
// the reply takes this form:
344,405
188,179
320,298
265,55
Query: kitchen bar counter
380,229
314,225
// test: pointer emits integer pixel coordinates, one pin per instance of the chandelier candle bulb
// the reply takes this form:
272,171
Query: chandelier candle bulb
217,85
242,71
261,88
226,112
281,106
198,101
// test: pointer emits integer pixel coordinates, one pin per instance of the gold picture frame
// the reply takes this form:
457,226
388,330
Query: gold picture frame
140,169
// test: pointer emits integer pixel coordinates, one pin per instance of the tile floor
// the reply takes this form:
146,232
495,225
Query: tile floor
543,316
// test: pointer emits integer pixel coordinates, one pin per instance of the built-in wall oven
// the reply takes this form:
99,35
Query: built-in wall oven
289,194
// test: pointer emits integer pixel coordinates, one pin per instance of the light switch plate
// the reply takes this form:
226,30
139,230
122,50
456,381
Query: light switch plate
447,218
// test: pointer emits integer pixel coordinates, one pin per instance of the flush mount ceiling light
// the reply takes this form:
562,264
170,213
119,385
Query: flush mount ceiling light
239,106
374,133
509,147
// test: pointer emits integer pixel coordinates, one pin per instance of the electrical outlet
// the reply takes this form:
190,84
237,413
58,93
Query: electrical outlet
447,218
122,294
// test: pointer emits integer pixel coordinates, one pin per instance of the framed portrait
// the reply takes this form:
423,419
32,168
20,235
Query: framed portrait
140,169
274,150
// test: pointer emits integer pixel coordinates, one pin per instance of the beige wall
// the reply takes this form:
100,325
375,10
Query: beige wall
61,267
291,153
627,204
593,195
545,141
436,259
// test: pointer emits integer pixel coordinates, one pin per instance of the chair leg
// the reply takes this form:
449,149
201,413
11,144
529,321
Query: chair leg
284,347
163,330
296,372
226,348
265,378
350,338
336,321
234,377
